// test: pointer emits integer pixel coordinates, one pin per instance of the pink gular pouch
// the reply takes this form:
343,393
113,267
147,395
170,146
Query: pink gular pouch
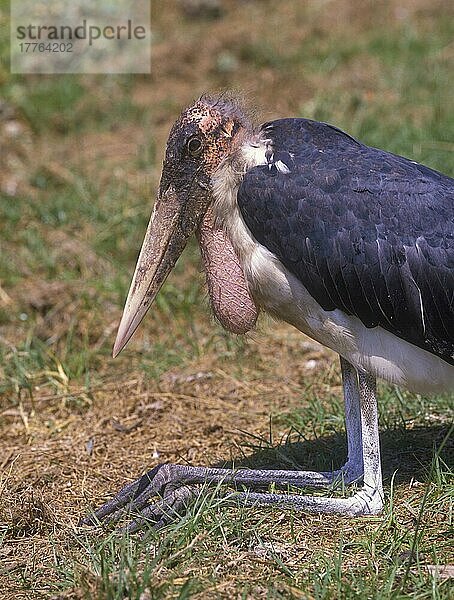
229,294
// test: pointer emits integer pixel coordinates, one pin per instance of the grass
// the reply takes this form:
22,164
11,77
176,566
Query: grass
80,163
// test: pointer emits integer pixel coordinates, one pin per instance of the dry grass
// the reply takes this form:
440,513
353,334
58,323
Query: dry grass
77,177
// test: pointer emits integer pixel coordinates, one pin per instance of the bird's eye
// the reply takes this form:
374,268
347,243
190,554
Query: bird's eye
194,146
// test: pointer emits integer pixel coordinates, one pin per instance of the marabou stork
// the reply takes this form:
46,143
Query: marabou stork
352,245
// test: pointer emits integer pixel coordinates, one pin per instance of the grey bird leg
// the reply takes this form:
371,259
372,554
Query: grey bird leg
176,484
354,468
369,499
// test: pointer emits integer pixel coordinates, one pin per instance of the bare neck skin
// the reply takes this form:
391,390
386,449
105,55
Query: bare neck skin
229,293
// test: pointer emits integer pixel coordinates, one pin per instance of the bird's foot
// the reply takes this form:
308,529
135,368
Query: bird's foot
164,483
165,491
366,501
161,512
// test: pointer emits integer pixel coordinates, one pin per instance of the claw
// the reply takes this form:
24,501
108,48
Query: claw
128,498
163,512
161,481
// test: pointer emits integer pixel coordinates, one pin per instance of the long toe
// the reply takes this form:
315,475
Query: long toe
168,509
132,496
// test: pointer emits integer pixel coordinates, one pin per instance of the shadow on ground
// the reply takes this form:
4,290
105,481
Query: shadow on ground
407,453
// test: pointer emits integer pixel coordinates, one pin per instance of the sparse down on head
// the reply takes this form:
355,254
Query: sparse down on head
206,134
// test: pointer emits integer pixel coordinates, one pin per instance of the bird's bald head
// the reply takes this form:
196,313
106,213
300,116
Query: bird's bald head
205,133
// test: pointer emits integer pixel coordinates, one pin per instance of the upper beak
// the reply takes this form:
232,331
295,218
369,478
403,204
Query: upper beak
165,239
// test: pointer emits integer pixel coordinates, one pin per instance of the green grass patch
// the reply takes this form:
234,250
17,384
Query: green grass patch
74,424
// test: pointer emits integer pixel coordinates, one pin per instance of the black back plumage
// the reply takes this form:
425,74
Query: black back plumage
365,231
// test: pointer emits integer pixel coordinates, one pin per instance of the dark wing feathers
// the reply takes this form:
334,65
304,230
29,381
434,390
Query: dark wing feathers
365,231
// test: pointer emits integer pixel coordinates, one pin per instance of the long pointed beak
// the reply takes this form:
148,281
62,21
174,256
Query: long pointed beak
164,241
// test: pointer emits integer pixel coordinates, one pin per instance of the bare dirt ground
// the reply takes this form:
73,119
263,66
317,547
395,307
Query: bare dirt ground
184,391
